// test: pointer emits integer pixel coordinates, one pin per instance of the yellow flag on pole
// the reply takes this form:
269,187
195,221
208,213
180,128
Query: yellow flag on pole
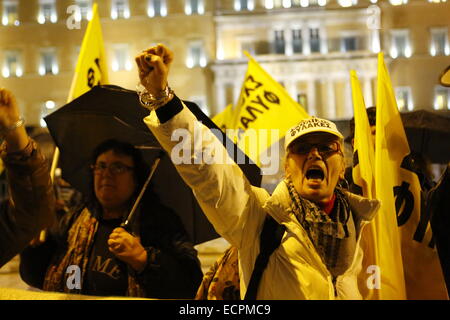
224,119
400,190
264,112
382,277
91,69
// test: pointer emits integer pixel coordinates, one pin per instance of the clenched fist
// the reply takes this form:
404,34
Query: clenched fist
127,248
153,66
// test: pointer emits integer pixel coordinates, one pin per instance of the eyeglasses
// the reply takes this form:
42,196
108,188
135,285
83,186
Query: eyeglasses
114,168
324,149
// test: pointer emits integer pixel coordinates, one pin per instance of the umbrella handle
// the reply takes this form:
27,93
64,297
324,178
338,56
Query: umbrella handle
126,224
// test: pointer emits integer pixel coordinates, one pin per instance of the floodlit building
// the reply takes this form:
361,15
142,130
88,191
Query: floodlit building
309,46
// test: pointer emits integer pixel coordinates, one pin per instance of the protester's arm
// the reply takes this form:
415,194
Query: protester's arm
31,204
221,188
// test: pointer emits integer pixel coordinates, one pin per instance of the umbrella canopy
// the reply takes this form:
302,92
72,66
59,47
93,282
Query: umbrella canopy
428,133
107,112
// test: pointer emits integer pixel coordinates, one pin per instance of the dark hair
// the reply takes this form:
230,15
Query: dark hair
371,114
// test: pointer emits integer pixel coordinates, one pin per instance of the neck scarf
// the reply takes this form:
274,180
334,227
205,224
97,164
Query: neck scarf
79,244
333,235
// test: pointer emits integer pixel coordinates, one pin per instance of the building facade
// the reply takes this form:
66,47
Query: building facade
307,45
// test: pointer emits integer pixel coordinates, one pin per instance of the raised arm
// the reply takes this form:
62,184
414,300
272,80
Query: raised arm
231,204
30,207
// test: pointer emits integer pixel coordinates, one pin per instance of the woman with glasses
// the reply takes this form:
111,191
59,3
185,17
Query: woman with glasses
91,254
319,256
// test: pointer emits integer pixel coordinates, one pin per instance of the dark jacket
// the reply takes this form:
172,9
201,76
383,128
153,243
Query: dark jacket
31,205
172,270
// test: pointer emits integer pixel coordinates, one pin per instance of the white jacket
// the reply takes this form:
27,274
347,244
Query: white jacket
237,211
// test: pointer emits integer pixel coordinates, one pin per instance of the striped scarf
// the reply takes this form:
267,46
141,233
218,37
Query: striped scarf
79,243
334,239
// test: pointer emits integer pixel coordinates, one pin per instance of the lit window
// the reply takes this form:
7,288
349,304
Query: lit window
194,7
47,11
48,63
157,8
85,9
400,44
196,56
279,42
12,66
297,44
269,4
398,2
242,5
321,2
287,3
121,60
304,3
120,9
314,40
347,3
439,42
47,107
437,1
441,98
349,43
10,13
404,99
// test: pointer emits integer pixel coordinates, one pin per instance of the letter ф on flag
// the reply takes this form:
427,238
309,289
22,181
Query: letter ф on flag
398,187
91,67
380,239
264,112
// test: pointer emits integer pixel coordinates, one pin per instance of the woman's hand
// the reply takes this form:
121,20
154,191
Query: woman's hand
153,66
127,248
16,138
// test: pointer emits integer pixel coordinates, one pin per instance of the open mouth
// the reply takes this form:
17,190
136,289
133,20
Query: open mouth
315,173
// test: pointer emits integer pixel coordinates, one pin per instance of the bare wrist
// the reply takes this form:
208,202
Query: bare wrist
140,262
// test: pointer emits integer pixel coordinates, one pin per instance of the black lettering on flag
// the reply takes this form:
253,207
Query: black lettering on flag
245,121
260,102
271,97
91,74
403,199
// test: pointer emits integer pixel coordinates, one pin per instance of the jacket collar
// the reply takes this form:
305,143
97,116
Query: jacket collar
278,205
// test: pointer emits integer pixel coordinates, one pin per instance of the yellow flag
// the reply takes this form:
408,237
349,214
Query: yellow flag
381,277
264,112
401,192
91,67
224,119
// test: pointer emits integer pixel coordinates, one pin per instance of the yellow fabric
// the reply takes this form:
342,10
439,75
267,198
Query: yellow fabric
224,119
380,239
91,67
263,104
423,274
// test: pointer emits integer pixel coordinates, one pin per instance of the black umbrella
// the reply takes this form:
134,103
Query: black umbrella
428,133
107,112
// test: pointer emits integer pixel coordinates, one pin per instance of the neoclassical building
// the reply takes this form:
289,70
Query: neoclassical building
309,46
